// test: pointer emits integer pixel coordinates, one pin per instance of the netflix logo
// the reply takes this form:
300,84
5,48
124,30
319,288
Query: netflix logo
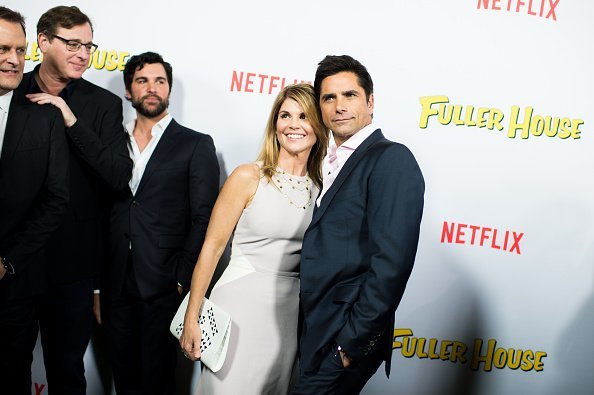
482,236
249,82
541,8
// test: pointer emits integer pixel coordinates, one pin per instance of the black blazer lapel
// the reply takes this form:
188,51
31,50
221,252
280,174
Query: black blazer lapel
80,96
15,126
348,167
160,153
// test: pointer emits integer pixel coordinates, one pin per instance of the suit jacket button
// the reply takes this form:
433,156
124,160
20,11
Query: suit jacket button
134,203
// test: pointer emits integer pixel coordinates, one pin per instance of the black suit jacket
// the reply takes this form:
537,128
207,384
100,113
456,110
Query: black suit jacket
33,192
165,221
358,252
99,166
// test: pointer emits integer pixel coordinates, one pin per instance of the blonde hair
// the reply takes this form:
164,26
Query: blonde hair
304,95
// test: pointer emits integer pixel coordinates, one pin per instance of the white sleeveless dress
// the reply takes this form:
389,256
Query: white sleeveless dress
260,290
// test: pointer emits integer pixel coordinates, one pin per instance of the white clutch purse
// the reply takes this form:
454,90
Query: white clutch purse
215,325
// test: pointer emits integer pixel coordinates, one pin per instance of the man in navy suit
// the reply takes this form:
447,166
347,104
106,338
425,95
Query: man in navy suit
359,249
157,228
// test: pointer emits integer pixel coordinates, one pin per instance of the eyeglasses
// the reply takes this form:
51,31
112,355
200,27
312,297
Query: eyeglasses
74,46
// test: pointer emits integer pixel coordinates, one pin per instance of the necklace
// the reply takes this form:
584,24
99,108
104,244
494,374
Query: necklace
295,189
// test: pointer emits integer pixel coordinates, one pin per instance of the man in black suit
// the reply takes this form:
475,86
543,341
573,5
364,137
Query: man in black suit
33,198
99,166
157,228
359,249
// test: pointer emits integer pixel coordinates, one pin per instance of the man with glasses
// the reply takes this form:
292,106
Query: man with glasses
100,166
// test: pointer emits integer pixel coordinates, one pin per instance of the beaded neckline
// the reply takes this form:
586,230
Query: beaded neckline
296,189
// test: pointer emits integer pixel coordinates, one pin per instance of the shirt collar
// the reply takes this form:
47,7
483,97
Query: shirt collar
355,140
33,87
156,130
5,101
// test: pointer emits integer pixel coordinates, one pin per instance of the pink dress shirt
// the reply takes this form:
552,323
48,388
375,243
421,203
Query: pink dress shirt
338,155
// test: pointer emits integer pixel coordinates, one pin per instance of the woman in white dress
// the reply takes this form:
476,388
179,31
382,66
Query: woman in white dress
268,206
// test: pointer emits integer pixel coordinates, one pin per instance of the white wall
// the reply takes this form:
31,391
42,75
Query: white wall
540,299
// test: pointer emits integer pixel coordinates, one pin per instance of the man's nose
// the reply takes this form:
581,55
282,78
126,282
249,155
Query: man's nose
340,105
13,58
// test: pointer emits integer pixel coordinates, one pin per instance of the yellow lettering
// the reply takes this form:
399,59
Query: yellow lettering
565,132
426,109
458,115
487,359
420,348
495,118
514,125
575,128
433,348
444,353
400,333
409,352
527,359
481,122
538,363
99,59
537,125
111,64
444,115
122,62
468,116
500,358
458,351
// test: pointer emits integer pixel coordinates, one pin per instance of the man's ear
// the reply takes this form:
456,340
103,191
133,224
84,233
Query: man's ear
370,103
43,42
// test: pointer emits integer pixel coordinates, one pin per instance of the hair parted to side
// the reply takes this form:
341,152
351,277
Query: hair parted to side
334,64
304,95
8,15
62,16
137,62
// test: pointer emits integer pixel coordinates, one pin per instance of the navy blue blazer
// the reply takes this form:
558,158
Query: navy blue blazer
358,253
166,219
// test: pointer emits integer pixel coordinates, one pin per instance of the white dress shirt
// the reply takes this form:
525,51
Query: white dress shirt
141,159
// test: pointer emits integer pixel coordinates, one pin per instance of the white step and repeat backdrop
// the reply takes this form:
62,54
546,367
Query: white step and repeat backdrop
494,99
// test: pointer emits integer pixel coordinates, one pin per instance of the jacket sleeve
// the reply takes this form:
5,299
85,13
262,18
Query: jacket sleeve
394,210
104,150
204,189
46,215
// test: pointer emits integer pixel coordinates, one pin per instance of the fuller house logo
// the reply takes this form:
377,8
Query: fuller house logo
109,60
520,123
250,82
479,355
482,236
541,8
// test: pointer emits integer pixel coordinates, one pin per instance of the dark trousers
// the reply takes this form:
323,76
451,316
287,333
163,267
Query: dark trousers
143,353
333,378
66,323
18,334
